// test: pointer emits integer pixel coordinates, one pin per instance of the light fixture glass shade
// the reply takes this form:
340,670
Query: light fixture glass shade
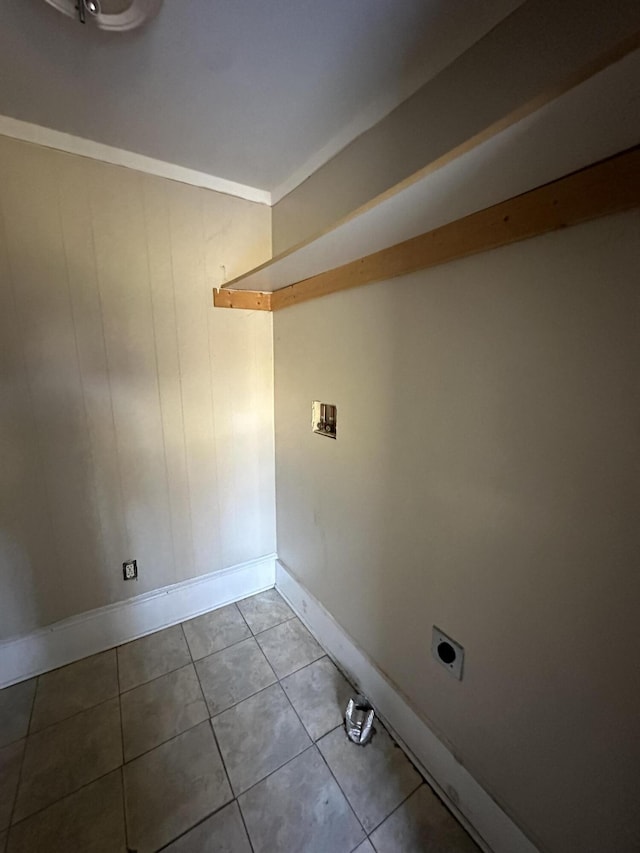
114,15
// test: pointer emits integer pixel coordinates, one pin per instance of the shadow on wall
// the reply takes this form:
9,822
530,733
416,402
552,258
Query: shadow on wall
65,517
119,434
485,480
62,520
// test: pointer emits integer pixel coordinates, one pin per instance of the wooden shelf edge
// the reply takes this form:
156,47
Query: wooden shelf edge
248,300
609,57
610,186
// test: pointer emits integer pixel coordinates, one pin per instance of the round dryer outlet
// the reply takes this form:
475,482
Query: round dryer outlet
447,652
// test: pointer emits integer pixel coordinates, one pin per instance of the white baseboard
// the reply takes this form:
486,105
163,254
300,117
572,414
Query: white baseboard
486,822
106,627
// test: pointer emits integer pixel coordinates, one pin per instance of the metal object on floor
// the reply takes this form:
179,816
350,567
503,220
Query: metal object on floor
358,719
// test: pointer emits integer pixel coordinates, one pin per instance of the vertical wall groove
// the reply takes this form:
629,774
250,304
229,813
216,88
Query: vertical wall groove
122,434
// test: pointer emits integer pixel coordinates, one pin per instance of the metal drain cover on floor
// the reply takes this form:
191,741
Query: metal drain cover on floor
358,720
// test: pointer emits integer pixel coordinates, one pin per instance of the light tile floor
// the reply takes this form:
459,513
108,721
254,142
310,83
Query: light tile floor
221,735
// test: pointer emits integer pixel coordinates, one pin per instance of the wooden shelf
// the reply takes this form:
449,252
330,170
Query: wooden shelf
589,118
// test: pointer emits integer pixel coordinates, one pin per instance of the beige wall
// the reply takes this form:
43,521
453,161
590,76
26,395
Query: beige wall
485,479
535,47
136,421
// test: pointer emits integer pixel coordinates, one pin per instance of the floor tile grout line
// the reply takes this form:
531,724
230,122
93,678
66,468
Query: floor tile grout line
315,743
231,646
22,760
244,823
163,742
122,784
215,739
341,726
209,718
423,781
307,665
224,765
399,806
271,772
196,824
275,770
243,617
169,671
240,701
113,769
17,790
275,625
123,763
278,680
340,788
157,678
33,705
66,796
124,807
235,798
186,639
73,716
404,800
255,633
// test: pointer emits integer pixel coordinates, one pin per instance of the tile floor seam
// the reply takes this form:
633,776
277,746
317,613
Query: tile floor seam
184,634
142,683
235,798
207,816
344,793
33,703
311,663
121,768
248,597
15,793
399,806
217,651
341,726
24,753
215,739
244,823
422,781
162,743
233,645
315,743
275,770
124,808
157,678
60,799
294,758
224,764
72,716
195,825
235,604
256,634
126,761
240,701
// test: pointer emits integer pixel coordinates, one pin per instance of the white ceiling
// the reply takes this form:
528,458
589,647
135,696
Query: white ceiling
260,92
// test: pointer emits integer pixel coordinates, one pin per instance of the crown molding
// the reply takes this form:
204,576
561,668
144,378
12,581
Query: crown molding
49,138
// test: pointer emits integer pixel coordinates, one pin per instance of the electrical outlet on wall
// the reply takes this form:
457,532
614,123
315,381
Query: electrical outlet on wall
447,652
130,570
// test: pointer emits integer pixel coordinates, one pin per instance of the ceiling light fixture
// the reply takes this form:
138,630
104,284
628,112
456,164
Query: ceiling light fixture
90,6
113,15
